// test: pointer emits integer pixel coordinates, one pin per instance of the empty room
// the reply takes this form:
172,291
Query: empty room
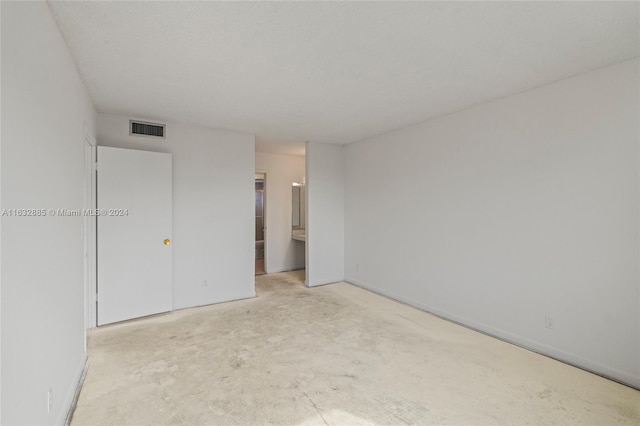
333,213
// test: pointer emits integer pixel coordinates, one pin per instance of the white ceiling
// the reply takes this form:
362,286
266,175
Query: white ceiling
332,71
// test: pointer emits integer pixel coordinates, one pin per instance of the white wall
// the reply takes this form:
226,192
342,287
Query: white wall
213,207
325,213
503,213
45,109
281,253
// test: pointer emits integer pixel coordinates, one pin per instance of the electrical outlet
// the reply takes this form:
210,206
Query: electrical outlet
49,400
357,267
205,283
549,322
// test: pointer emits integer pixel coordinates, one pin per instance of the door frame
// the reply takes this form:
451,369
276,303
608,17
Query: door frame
264,217
89,233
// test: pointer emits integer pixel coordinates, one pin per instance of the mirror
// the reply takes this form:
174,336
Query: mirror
298,198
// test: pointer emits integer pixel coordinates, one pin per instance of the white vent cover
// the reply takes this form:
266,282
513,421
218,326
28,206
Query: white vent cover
141,128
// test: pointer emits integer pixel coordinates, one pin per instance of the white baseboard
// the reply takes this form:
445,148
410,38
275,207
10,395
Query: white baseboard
532,345
209,303
325,281
284,269
71,397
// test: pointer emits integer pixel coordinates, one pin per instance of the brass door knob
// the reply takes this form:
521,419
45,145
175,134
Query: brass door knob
167,241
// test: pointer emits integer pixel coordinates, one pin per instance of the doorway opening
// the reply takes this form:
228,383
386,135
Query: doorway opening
260,188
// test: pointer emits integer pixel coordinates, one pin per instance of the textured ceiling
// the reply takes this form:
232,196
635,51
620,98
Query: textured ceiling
327,71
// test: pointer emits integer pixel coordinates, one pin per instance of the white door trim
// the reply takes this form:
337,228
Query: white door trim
265,217
89,232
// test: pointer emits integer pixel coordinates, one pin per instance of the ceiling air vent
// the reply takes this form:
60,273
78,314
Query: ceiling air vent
142,128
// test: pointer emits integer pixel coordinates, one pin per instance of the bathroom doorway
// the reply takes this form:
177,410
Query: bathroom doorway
260,188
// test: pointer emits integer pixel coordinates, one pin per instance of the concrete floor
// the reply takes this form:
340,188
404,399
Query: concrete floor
330,355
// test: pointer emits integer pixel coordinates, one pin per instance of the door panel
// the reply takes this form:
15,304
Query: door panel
134,264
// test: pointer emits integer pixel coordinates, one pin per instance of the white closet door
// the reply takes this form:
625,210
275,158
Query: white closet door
134,234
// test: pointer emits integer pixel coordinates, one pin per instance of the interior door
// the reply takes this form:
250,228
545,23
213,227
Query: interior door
133,234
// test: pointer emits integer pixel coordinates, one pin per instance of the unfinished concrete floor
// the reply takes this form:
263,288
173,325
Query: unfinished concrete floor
331,355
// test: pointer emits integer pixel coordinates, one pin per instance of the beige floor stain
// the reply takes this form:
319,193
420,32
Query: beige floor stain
336,355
